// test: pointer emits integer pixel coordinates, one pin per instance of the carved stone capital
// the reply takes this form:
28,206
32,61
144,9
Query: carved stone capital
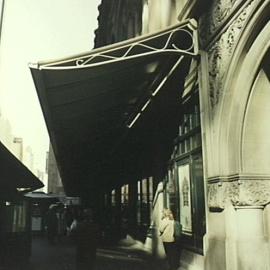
254,192
239,193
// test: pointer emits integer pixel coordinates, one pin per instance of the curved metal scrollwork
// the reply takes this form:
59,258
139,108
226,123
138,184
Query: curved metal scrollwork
180,39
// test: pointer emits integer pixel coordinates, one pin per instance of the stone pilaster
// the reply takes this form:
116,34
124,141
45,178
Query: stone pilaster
239,201
252,247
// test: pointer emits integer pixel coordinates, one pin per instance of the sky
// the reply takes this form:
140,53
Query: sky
32,31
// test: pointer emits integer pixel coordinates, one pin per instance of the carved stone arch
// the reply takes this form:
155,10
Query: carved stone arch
245,65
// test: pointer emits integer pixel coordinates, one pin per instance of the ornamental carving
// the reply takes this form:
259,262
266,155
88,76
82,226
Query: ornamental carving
216,72
219,194
254,193
239,193
215,17
235,28
220,53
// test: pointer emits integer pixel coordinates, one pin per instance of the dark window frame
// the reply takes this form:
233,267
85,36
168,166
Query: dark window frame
194,241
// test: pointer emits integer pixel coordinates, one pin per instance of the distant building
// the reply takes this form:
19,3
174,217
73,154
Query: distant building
54,180
28,158
18,148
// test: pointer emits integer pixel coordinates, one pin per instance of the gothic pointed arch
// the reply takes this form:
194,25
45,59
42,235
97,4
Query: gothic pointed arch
240,85
243,134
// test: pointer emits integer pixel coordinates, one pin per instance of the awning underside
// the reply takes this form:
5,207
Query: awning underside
108,121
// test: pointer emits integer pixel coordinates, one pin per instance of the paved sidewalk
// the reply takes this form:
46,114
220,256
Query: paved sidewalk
61,256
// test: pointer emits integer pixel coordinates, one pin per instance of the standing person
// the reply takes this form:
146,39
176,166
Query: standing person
166,230
86,238
52,224
61,228
68,219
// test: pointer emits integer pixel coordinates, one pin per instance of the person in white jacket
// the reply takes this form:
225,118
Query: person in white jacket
166,230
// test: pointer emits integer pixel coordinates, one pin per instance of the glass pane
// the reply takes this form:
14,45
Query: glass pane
144,190
15,217
122,194
139,202
150,189
196,116
185,198
187,145
183,148
113,197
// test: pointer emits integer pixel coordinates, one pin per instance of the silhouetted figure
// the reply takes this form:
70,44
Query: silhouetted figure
52,224
68,216
61,222
166,230
86,237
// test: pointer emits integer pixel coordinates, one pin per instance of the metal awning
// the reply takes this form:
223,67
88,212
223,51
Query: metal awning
14,176
103,108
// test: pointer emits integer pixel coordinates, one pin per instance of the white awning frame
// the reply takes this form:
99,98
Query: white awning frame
133,48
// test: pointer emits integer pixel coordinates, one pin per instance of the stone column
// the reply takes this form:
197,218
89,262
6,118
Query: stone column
238,207
251,242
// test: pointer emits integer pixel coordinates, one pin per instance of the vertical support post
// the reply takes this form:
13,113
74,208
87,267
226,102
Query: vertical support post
252,247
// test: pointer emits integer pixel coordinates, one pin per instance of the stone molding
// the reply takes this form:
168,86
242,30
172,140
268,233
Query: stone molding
239,191
220,53
218,17
215,17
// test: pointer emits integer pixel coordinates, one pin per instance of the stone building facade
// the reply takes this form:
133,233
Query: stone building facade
233,91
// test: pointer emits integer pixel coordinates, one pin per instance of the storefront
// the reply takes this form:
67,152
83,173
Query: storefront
15,225
184,184
40,203
222,162
202,138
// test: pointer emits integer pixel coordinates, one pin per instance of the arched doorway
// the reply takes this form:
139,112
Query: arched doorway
244,146
244,105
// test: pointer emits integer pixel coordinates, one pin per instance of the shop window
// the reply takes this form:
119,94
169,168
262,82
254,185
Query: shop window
171,192
145,17
124,202
145,201
124,195
15,217
113,208
113,198
187,174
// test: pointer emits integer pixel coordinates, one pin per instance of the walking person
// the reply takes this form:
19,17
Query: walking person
166,229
